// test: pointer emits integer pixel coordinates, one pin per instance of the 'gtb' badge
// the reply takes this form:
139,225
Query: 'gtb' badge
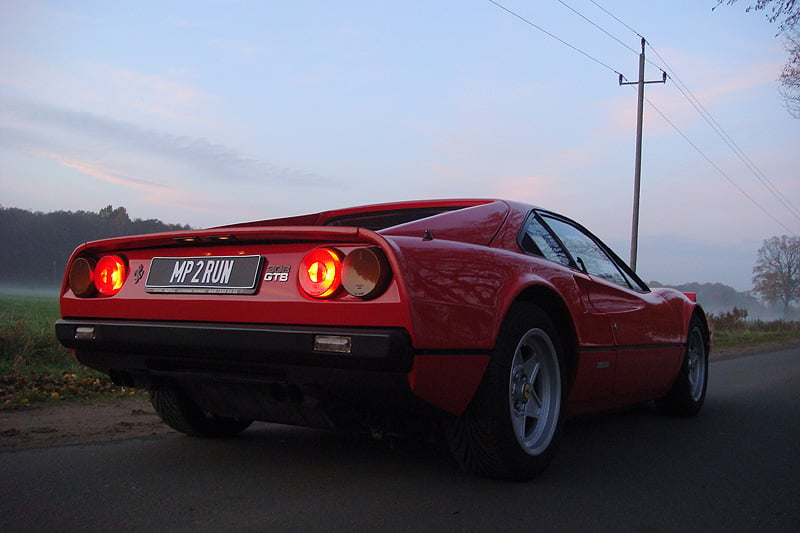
278,273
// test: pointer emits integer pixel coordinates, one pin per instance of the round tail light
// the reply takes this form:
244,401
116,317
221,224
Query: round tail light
366,272
81,277
109,275
320,272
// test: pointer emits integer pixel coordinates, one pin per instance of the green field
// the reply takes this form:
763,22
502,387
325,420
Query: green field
33,365
27,339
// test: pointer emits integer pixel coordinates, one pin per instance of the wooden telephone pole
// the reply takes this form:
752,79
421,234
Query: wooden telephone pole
638,166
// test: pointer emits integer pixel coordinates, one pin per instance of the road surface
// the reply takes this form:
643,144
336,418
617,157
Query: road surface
734,468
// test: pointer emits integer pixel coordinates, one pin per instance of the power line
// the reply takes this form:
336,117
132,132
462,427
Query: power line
727,139
587,19
607,12
687,94
718,129
552,36
610,14
717,168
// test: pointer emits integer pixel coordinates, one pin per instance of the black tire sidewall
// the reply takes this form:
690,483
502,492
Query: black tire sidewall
521,319
679,401
183,415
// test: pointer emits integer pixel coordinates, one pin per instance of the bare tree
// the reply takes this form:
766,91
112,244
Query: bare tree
790,77
779,9
787,14
776,275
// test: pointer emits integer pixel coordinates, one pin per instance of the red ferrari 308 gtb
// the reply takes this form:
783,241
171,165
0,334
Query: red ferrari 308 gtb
493,319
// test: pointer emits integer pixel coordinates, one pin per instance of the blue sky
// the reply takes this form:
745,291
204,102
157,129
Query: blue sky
213,112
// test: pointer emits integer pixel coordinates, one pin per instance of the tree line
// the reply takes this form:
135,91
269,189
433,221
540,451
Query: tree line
36,245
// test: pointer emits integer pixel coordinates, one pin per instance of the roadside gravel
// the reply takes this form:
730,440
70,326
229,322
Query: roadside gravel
55,424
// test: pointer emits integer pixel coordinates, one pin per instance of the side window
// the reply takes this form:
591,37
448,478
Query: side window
587,253
539,240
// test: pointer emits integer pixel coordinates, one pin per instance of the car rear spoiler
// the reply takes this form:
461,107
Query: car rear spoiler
323,234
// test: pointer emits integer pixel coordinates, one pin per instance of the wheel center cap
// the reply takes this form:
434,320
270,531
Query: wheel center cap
527,392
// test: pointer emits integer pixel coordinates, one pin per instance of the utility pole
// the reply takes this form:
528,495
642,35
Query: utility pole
638,166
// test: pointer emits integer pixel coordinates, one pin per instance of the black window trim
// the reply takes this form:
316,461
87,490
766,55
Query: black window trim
541,214
534,214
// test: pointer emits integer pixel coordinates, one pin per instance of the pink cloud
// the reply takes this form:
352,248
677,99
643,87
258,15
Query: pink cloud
154,94
152,193
96,170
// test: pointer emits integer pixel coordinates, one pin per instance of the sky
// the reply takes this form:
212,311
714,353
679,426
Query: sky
215,112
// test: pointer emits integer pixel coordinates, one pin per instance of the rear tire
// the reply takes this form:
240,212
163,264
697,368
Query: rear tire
182,414
512,427
688,393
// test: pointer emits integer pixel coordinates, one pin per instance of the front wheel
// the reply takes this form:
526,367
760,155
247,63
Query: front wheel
182,414
688,393
511,428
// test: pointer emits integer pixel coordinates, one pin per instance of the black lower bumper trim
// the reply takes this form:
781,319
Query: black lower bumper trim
211,347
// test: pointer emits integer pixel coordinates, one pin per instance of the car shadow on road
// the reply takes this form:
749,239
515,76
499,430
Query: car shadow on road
590,446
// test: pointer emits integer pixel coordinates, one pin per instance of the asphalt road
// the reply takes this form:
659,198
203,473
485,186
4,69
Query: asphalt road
734,468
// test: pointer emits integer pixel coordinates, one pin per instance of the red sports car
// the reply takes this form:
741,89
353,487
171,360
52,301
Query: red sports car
493,319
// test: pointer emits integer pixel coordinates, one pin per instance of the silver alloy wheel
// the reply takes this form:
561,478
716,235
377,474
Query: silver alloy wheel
696,363
535,391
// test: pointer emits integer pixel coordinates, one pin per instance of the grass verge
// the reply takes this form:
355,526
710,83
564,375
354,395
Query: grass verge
733,329
34,367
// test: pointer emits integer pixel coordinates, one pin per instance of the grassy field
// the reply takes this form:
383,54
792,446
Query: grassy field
35,367
27,339
733,329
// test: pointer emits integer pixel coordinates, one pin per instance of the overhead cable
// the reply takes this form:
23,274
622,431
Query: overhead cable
552,36
718,129
687,94
615,18
727,139
718,169
587,19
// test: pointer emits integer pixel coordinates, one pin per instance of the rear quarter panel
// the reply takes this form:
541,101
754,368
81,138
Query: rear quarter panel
459,293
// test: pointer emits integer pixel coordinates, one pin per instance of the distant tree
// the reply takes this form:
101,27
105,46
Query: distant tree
787,14
37,245
116,220
790,77
776,276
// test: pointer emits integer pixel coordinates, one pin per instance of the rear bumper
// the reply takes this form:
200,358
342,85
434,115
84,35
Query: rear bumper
382,370
161,346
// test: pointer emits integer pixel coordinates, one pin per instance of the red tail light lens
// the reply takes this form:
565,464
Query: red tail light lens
109,275
320,272
366,272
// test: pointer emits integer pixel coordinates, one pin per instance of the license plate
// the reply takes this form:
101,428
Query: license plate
208,275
